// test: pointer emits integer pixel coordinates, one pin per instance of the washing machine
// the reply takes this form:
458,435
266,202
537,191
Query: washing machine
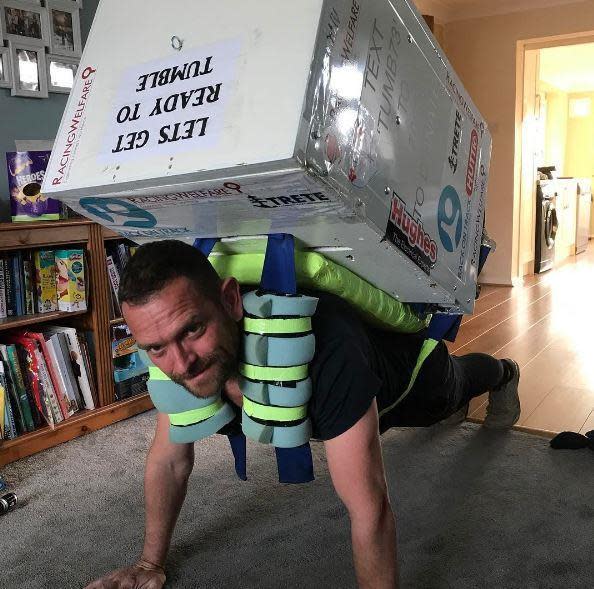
547,224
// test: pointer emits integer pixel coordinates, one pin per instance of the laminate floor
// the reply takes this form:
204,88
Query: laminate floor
547,326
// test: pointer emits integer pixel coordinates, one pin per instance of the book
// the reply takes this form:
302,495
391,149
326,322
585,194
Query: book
29,283
45,281
57,382
114,280
60,385
2,409
15,404
8,425
49,397
28,362
78,367
16,268
70,280
62,355
11,309
18,382
2,292
82,342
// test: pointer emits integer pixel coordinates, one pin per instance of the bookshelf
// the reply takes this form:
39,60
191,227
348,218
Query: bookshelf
91,237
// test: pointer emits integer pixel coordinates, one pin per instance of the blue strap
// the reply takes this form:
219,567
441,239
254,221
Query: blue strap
205,244
295,465
278,273
444,326
483,255
238,446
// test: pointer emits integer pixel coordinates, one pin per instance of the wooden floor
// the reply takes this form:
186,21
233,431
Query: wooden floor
547,326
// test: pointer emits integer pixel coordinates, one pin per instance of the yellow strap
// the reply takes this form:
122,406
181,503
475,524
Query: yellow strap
269,413
274,373
263,326
194,416
426,349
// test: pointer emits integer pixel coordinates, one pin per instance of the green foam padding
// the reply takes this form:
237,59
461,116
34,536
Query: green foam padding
281,437
265,350
269,305
317,272
199,431
169,397
268,394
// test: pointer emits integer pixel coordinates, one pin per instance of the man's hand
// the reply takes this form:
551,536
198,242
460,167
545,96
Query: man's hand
138,576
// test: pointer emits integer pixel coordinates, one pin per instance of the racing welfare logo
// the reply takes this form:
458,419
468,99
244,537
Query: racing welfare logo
449,219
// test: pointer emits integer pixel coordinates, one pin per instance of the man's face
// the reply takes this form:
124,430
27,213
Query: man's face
191,338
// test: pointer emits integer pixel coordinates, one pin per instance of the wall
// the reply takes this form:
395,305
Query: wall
580,142
556,130
32,118
483,52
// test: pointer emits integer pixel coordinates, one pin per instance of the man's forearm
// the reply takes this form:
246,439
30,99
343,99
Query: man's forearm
165,486
374,550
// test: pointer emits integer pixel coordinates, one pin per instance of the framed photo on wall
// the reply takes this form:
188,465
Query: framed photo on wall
61,72
24,22
29,70
64,25
5,68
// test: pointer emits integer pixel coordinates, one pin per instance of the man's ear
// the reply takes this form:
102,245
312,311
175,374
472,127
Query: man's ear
231,298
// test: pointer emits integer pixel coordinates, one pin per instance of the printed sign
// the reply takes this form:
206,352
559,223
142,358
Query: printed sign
171,105
408,235
71,128
225,208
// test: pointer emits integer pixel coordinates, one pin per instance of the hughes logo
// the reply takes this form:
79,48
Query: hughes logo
472,158
449,218
408,234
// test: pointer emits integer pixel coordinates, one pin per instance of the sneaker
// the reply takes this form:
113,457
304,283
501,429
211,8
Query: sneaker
503,409
456,418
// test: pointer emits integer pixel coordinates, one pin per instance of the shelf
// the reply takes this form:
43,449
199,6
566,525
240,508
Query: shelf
118,321
79,424
16,322
44,234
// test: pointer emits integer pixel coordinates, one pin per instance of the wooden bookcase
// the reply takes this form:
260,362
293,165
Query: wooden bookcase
91,237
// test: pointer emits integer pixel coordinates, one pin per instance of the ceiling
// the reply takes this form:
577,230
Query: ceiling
569,68
450,10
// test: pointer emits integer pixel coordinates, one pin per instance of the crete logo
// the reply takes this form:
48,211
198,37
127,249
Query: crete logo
472,157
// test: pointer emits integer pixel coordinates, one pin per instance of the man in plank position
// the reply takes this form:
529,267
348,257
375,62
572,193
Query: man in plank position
188,321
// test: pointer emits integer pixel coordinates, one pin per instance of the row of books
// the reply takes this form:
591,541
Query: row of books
40,281
46,376
117,256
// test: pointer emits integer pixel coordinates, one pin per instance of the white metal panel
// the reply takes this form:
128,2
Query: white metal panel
261,54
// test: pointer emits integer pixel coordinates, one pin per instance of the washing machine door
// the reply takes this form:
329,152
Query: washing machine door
551,224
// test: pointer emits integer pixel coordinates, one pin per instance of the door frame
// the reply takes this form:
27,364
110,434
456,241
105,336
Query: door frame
521,47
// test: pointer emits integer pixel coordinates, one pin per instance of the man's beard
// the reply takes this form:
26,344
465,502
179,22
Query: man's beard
225,366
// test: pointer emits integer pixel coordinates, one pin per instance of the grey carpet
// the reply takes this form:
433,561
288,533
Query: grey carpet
475,509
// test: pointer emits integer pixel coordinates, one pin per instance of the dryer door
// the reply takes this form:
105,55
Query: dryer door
551,224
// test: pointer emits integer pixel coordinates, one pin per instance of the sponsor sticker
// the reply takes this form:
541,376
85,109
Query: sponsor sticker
449,219
407,233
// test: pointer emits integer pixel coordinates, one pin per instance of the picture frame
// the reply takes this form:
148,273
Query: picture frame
64,28
5,68
29,70
61,81
24,22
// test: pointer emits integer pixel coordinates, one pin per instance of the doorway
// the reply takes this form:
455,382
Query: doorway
555,128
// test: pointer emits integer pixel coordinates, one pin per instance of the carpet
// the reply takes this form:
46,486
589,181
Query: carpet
474,509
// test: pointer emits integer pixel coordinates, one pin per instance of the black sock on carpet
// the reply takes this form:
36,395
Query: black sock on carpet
573,441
